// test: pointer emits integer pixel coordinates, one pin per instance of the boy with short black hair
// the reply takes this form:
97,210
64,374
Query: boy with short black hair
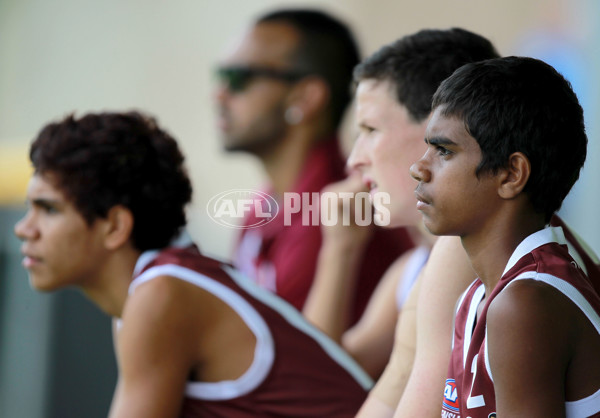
506,143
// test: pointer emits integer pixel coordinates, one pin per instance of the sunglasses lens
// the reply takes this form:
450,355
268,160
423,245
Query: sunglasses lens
235,78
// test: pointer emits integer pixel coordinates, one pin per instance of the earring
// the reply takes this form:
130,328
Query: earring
293,115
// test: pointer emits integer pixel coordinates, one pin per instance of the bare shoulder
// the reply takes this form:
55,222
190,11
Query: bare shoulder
157,348
532,313
163,309
446,275
448,267
397,268
526,302
163,298
530,341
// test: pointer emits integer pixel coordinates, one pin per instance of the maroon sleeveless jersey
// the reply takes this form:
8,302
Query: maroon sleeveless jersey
554,256
296,372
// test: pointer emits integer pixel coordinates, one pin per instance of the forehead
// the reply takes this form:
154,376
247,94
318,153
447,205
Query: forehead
44,186
377,90
451,127
377,98
269,44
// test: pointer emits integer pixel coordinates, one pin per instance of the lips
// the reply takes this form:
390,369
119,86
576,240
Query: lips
422,199
30,260
369,183
222,123
223,118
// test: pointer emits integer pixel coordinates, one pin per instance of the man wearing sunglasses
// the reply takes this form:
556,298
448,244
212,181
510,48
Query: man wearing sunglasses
283,90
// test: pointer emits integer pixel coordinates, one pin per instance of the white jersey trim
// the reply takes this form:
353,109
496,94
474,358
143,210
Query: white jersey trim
470,322
180,241
486,358
533,241
461,298
413,268
584,407
264,352
584,245
295,318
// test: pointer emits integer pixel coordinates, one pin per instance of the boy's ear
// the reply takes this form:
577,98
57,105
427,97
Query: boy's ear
514,176
119,226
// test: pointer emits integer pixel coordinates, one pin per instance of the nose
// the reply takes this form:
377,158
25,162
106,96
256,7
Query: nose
221,93
25,228
419,171
358,156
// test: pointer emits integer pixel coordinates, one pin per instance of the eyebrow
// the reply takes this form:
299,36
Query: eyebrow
439,140
44,202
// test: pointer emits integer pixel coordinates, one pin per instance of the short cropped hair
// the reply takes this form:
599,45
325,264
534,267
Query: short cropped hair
327,49
416,64
107,159
518,104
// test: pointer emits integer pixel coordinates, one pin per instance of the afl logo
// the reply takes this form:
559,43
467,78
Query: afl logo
231,207
451,396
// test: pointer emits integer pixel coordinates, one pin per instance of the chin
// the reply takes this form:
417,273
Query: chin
41,285
432,227
439,230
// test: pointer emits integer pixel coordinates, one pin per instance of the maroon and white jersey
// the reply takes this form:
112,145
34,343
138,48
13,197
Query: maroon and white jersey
296,372
552,256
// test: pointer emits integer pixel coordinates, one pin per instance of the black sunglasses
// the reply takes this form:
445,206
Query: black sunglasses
237,78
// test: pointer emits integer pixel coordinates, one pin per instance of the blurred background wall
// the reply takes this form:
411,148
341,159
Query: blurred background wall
62,56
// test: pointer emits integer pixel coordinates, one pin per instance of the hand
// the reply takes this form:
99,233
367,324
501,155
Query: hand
349,208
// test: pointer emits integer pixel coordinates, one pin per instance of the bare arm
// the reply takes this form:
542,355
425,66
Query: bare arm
371,339
447,274
384,397
329,302
155,352
529,331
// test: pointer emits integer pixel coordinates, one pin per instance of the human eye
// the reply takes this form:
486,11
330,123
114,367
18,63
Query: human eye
367,129
442,151
45,206
50,209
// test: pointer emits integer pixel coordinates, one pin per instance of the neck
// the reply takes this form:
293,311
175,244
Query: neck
490,248
420,236
284,163
110,287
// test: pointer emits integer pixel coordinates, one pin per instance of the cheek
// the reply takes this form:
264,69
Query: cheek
404,187
396,167
451,199
72,247
246,107
64,254
241,113
387,159
55,271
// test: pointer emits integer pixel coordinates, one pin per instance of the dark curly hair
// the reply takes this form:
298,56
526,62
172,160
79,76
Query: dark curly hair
416,64
519,104
107,159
